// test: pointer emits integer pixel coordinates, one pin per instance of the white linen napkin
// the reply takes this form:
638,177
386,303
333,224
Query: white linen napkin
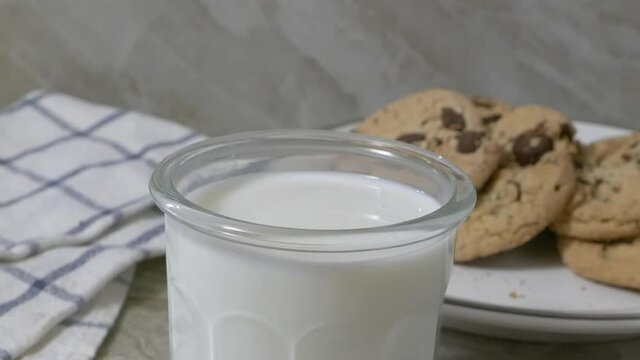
75,216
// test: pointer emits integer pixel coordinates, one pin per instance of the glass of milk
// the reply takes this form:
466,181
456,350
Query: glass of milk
307,245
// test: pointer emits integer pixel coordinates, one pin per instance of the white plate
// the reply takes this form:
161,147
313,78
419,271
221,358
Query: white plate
527,294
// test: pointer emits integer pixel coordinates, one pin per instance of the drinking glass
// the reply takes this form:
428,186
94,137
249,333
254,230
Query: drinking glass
246,291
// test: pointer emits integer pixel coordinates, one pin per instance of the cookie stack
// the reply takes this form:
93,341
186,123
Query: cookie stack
530,174
599,232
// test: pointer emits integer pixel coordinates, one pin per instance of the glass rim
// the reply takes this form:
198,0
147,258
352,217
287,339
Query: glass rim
172,202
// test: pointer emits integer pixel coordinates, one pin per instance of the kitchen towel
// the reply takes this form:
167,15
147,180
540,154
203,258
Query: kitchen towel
75,217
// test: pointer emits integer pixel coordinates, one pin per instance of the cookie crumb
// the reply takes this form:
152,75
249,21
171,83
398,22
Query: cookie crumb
513,295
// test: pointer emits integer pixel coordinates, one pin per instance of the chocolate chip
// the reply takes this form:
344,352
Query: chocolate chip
626,157
438,141
567,131
483,102
452,119
529,147
411,138
557,187
469,141
490,119
577,164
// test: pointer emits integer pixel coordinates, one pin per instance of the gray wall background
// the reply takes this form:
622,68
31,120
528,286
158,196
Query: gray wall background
231,65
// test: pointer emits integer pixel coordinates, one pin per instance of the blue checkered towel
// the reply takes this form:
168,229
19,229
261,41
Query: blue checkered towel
75,216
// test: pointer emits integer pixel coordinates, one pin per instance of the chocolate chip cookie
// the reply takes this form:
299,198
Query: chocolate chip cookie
606,204
528,191
441,121
490,110
616,263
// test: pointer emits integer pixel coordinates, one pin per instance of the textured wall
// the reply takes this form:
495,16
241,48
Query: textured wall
229,65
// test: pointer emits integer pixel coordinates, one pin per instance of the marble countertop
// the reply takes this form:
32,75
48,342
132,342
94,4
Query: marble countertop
141,332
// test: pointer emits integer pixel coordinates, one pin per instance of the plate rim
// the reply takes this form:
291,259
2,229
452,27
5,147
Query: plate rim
547,314
537,328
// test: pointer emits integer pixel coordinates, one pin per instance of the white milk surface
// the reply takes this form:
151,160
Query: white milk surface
230,301
315,200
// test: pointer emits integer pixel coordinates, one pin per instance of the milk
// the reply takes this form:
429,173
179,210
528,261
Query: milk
232,301
315,200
